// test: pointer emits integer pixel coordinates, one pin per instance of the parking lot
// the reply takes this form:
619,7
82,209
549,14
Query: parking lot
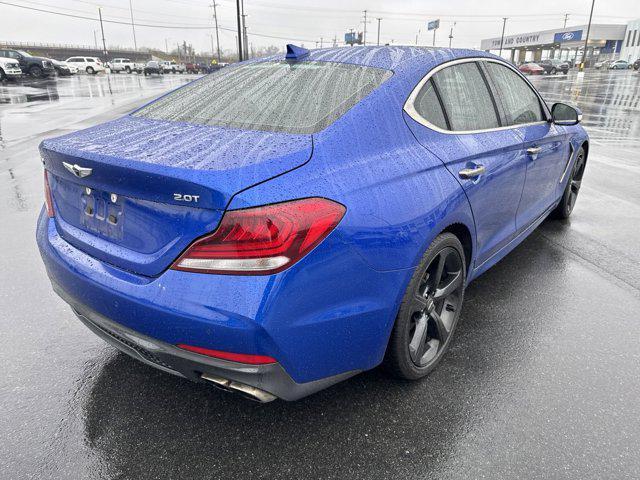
541,381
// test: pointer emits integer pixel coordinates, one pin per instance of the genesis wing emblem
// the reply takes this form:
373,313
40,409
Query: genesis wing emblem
77,170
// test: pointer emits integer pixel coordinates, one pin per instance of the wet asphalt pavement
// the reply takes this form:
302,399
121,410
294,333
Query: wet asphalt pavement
542,381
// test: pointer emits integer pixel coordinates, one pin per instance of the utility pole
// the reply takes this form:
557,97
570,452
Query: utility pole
335,41
504,25
133,27
166,45
364,35
95,39
239,30
321,39
566,17
379,20
451,34
586,40
104,43
215,18
245,40
417,35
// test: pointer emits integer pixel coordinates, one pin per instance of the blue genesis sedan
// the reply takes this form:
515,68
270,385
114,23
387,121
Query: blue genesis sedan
284,223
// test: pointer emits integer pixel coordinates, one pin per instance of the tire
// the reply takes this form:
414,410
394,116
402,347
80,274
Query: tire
2,75
127,69
90,71
554,71
36,72
570,195
427,320
173,70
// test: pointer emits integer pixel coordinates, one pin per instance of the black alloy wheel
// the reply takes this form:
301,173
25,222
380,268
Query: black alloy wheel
2,75
36,72
90,70
429,311
570,196
553,71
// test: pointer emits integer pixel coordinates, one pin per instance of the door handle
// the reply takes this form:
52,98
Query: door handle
472,172
534,150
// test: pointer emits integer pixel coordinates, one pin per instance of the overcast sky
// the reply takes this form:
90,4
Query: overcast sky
298,21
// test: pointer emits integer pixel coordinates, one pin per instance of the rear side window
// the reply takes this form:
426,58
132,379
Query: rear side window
428,106
521,104
466,98
280,96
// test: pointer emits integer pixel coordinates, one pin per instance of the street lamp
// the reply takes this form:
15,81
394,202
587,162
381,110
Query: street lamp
586,40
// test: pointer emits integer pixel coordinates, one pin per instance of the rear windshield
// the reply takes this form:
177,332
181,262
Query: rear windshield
291,97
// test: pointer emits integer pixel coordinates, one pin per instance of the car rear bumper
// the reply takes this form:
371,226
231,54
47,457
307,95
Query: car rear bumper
318,324
262,383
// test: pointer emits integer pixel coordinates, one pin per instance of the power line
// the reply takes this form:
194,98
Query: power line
149,25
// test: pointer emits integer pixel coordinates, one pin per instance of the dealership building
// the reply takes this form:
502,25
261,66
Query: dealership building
606,41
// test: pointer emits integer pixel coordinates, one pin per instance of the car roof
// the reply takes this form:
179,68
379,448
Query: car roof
388,56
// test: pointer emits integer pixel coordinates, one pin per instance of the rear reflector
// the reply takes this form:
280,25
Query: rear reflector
263,240
48,199
233,357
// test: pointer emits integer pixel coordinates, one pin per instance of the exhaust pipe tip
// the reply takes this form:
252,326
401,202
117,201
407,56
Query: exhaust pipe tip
247,391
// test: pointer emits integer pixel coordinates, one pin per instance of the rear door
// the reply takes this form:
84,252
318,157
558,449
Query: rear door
543,143
457,119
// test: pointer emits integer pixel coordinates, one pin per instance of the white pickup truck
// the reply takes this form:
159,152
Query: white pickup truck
9,68
125,65
173,67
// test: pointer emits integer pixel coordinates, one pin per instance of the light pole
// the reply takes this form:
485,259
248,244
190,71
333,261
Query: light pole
451,34
586,40
379,19
504,25
417,35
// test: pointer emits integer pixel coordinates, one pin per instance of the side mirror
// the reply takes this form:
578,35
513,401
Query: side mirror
565,115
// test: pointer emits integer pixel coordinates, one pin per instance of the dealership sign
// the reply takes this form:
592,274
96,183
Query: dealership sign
561,37
433,24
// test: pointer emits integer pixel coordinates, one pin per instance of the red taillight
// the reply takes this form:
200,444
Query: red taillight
48,199
234,357
263,240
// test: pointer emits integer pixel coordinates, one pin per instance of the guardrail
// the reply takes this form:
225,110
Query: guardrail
27,45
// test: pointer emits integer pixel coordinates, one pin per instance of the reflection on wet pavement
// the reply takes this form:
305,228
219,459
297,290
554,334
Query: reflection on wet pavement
62,101
609,100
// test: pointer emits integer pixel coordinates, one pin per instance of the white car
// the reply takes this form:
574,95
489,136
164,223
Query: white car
118,65
9,68
90,65
173,67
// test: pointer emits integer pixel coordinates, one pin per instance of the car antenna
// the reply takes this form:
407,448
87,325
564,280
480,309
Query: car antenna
296,53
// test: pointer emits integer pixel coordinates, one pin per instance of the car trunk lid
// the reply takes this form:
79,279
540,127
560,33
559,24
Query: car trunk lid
155,186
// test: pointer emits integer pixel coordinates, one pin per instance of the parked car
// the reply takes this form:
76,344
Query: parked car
636,64
553,66
118,65
620,65
202,237
63,69
191,67
37,67
153,67
531,69
9,69
602,65
90,65
173,67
